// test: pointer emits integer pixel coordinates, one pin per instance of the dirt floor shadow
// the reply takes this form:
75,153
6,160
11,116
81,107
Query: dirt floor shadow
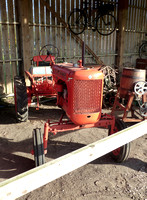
7,115
47,110
12,165
133,163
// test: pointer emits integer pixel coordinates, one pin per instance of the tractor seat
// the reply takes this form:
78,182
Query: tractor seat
41,70
41,63
43,60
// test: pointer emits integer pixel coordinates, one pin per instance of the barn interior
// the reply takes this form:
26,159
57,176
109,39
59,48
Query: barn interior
40,42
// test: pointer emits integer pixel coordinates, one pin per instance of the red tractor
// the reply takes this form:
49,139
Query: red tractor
79,93
41,82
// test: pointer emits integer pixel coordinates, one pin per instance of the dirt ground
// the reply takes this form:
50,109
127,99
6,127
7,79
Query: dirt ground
102,179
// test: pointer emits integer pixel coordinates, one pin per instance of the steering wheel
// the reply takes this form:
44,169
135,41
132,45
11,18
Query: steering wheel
48,50
140,87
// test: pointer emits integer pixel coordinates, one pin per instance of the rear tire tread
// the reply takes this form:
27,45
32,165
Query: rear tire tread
21,100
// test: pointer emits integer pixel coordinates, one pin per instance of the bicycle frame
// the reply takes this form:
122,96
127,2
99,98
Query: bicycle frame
84,10
85,18
100,12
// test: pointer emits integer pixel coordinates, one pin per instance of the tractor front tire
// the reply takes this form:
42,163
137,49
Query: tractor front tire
39,156
120,154
21,99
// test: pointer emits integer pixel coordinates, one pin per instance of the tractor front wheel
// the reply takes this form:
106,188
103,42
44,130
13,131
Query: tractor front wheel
21,100
120,154
38,147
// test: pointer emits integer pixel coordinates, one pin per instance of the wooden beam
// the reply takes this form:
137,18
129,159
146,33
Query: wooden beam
37,177
24,36
120,37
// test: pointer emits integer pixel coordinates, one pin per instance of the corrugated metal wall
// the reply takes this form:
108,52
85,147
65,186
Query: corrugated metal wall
46,28
135,30
8,45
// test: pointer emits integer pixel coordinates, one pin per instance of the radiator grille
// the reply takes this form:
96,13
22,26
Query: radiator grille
87,96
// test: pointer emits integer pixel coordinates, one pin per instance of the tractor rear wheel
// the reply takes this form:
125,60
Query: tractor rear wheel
39,156
120,154
21,100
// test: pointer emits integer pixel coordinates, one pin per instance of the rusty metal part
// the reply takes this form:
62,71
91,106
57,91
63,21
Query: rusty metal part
110,85
143,109
110,77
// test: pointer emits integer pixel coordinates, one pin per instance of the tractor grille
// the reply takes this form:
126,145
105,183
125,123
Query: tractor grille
87,96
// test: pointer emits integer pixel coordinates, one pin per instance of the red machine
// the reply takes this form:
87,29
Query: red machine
41,82
41,79
79,94
132,87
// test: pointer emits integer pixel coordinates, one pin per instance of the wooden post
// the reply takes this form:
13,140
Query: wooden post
24,37
39,176
2,85
120,37
6,69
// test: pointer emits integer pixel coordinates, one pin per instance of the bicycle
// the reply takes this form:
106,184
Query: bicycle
143,49
103,21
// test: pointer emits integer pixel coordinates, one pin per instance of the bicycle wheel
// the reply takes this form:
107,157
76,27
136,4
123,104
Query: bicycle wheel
143,51
106,24
77,21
